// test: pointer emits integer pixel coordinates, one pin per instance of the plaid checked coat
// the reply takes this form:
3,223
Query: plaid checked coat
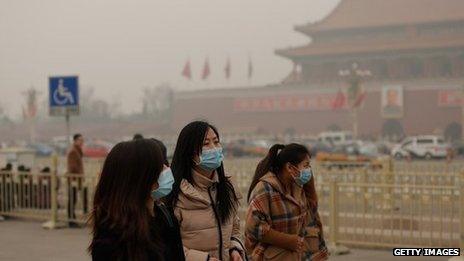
271,208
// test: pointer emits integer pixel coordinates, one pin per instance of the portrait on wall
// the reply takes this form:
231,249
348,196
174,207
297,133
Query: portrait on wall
392,102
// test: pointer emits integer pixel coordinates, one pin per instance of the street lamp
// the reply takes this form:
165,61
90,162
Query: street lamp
354,76
30,111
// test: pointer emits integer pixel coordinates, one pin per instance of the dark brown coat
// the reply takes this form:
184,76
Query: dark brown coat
75,164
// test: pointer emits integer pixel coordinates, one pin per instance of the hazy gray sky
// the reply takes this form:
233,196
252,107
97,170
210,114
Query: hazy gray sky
121,46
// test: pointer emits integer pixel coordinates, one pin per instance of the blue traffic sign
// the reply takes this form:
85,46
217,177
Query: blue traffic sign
64,95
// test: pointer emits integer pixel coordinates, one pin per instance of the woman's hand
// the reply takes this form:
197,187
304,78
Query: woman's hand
235,256
213,259
300,246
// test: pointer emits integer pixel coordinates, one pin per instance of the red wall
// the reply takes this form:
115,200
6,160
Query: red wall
422,115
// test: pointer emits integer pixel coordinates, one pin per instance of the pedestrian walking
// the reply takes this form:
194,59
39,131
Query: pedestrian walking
126,225
282,220
204,198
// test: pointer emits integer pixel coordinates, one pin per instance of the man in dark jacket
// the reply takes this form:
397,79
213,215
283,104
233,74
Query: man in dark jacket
75,167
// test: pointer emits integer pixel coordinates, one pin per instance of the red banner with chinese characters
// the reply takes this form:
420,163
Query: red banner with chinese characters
449,98
306,102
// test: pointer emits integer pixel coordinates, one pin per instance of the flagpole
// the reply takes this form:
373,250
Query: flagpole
250,70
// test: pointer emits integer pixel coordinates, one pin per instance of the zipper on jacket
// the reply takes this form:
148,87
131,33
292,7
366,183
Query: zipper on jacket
216,215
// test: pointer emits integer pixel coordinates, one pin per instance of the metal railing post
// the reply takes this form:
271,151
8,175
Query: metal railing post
388,178
4,198
333,208
52,223
334,247
461,212
365,189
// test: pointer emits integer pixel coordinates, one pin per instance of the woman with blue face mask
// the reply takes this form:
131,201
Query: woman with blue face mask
166,223
125,223
204,198
282,219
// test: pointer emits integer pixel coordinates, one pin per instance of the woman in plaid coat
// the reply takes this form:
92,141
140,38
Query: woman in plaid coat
282,220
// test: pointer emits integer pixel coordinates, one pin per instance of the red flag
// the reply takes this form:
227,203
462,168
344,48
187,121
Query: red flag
360,99
339,101
250,68
206,70
186,72
227,69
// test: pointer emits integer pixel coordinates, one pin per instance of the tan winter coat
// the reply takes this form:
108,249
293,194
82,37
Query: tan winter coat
198,225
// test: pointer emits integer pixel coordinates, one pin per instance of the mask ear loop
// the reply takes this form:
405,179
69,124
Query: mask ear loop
199,158
195,162
298,172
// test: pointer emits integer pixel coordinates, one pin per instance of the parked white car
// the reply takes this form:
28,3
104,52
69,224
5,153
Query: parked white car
335,137
427,147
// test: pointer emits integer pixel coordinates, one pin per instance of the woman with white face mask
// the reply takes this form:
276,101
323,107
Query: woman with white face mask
282,219
204,199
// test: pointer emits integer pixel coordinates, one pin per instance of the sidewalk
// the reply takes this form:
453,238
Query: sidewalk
22,240
27,240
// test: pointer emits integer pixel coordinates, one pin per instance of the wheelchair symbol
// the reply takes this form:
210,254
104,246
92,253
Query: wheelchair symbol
62,95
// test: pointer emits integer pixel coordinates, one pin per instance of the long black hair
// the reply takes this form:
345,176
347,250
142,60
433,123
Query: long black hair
276,159
164,151
120,202
189,144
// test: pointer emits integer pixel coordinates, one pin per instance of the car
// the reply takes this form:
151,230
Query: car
61,145
319,147
369,149
458,148
96,149
252,148
42,149
336,137
353,154
384,147
260,147
234,148
425,147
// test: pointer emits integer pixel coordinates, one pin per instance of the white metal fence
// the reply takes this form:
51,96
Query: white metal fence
400,204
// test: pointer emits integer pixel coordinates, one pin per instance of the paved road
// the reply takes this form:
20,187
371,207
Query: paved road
22,240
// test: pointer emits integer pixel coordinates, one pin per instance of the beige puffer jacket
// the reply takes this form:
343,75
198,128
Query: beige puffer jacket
198,225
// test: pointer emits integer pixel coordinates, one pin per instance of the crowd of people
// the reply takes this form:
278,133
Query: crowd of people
146,208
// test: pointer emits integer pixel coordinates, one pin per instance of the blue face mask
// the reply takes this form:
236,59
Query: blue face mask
165,182
304,177
211,159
